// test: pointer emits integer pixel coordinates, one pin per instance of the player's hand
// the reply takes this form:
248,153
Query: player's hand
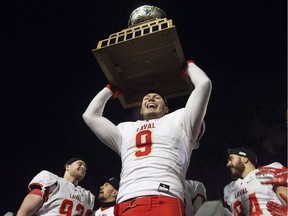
274,176
116,92
276,209
184,72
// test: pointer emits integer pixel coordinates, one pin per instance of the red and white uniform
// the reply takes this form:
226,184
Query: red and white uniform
64,198
104,211
156,153
248,196
192,189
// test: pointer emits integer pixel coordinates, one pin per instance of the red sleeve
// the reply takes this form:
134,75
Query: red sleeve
37,191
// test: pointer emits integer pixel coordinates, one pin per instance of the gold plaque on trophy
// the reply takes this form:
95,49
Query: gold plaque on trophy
143,57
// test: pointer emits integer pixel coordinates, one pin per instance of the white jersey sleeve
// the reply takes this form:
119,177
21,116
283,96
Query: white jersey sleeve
192,190
227,190
275,165
104,129
195,188
45,180
197,103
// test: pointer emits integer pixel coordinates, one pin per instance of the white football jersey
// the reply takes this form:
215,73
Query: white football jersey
64,197
248,196
144,145
192,189
105,212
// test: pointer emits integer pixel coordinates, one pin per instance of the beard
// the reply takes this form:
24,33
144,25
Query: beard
101,198
238,170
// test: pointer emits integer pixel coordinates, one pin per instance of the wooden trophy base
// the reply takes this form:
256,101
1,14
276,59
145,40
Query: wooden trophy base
144,57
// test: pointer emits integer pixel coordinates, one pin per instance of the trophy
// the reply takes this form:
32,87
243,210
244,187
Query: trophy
147,55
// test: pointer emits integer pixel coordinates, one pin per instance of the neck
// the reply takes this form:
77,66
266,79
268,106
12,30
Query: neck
249,168
70,179
107,204
152,116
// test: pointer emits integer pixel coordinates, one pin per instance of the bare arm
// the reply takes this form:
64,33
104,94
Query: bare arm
197,103
104,129
30,205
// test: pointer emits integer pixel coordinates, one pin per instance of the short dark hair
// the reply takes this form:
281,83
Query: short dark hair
159,93
72,160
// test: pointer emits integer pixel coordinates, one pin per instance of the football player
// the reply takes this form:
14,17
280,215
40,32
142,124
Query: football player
107,196
50,194
247,195
155,151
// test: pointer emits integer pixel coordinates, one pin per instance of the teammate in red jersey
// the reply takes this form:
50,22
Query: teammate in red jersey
155,151
247,195
50,194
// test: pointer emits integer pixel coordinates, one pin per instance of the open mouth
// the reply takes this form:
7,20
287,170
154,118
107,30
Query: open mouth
151,106
82,171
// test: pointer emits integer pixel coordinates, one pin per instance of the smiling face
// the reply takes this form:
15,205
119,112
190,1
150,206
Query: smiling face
77,170
153,106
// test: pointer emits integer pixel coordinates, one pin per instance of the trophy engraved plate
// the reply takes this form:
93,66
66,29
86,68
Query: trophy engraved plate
144,57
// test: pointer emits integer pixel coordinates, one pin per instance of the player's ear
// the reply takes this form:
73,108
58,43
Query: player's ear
245,160
115,193
166,109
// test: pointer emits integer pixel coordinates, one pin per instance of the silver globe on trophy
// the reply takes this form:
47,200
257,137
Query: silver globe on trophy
145,13
146,55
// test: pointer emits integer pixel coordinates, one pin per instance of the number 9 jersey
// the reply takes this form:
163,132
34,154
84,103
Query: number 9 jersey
155,157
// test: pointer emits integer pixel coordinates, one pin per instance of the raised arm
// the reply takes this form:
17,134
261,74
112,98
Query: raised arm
197,103
104,129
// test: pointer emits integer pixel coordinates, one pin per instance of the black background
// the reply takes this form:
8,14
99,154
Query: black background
49,75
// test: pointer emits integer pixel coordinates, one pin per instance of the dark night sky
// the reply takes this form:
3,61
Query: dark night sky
49,75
